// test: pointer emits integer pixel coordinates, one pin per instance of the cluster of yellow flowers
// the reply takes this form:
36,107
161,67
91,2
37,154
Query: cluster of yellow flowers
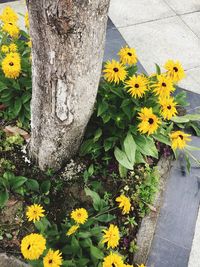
11,63
161,86
34,245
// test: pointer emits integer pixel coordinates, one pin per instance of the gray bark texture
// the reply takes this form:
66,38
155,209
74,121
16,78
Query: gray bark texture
68,39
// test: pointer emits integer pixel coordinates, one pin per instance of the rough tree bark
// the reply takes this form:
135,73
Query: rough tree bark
67,50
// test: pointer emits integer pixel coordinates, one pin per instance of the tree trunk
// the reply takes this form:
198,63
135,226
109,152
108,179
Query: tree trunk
67,51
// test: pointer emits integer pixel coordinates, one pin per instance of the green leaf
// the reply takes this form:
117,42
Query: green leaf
26,97
17,182
97,135
180,98
17,106
32,185
122,159
102,107
105,218
84,235
158,70
75,245
162,138
82,262
96,253
122,171
146,146
139,158
4,196
180,119
45,187
42,224
97,203
86,147
130,148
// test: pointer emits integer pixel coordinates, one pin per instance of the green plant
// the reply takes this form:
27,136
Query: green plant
12,184
146,190
15,91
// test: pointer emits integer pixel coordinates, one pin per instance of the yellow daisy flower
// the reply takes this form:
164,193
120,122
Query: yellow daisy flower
32,246
53,259
113,260
11,28
111,236
26,19
13,47
11,65
8,15
149,121
4,49
29,43
114,71
128,265
142,265
179,139
168,107
124,204
80,216
35,212
128,55
137,85
72,230
174,70
163,87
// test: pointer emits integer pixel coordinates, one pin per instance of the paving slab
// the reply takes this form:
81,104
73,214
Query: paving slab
184,6
129,12
194,260
170,255
193,21
192,80
161,40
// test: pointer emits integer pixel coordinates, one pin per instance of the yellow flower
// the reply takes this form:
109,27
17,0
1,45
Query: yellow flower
137,85
149,121
128,265
4,49
142,265
72,230
113,260
11,65
8,15
26,19
11,28
179,139
35,212
114,71
168,107
80,216
128,55
111,236
124,204
29,43
32,246
53,259
174,70
13,47
163,87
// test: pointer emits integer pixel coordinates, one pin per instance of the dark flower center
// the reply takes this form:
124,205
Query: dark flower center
169,107
150,121
164,84
175,69
11,63
113,265
10,23
137,85
180,135
116,69
130,54
29,246
50,261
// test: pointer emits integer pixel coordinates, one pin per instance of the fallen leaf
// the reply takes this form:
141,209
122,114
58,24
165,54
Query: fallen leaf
13,130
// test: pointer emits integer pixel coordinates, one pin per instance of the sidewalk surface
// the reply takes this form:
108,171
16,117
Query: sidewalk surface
161,30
